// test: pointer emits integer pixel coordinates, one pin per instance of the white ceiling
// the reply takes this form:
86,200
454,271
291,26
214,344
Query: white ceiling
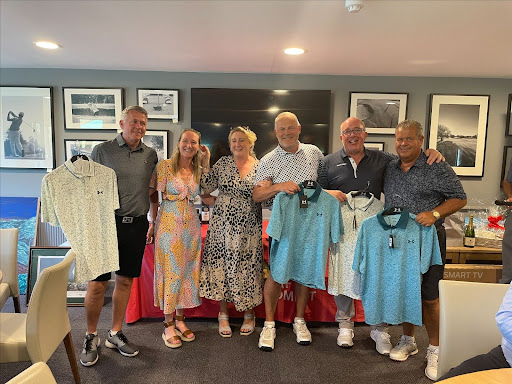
405,38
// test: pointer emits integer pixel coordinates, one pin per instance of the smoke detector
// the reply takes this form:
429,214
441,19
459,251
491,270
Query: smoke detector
354,6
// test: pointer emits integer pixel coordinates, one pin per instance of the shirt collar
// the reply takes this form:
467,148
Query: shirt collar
281,152
314,196
80,168
343,153
402,222
364,207
121,142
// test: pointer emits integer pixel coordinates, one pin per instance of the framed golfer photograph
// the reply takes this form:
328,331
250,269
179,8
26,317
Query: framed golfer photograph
374,145
26,127
92,108
458,129
161,104
44,257
380,112
79,147
508,131
158,141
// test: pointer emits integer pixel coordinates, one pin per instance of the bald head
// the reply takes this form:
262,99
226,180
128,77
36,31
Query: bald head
352,122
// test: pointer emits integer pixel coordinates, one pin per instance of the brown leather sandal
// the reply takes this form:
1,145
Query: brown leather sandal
168,342
184,335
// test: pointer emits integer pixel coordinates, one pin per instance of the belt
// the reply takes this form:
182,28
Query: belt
130,219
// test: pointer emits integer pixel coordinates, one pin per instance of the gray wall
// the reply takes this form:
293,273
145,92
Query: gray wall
480,189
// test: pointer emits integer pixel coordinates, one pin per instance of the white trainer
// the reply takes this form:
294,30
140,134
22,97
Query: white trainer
345,336
267,337
432,357
302,332
382,341
403,349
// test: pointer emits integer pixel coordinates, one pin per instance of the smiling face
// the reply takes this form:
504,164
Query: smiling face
134,127
287,132
239,144
353,142
408,144
188,145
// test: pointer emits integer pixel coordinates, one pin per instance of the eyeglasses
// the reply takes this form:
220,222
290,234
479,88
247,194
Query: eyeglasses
355,131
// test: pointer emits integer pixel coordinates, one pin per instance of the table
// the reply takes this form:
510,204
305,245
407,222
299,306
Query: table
492,376
459,255
321,306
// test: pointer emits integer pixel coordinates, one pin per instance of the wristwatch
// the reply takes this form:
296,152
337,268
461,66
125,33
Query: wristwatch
436,214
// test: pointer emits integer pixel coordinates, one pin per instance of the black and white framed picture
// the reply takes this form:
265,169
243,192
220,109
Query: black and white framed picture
458,129
158,141
380,112
374,145
508,131
79,147
161,104
44,257
92,108
507,158
27,127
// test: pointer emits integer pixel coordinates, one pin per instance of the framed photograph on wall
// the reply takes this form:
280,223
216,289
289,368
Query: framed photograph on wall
458,129
43,257
161,104
374,145
26,115
507,157
158,141
92,108
79,147
508,131
380,112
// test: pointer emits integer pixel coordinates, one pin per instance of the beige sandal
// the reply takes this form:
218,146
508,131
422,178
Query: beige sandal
248,328
184,335
169,342
224,331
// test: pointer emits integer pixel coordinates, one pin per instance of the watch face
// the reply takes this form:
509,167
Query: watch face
436,214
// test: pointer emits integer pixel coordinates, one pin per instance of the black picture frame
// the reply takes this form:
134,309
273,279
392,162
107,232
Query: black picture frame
508,130
507,156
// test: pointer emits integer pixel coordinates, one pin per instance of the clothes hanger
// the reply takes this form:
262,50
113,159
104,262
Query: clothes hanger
392,211
309,184
363,192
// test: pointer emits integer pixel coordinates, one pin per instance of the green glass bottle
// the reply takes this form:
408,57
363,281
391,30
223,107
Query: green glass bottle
469,234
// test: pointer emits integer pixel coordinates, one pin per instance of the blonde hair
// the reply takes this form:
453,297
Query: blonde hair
287,115
250,135
196,161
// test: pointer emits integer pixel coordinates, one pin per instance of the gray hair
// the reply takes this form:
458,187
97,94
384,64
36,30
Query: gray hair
406,124
135,108
286,115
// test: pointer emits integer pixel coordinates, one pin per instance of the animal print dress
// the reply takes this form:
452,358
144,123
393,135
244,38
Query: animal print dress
231,269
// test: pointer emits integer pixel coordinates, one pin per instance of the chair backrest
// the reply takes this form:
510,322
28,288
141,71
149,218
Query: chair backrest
38,373
9,259
47,314
467,321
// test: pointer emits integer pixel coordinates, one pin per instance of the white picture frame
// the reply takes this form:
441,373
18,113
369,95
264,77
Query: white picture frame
380,112
161,104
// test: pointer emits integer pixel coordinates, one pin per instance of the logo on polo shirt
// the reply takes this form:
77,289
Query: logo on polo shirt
100,192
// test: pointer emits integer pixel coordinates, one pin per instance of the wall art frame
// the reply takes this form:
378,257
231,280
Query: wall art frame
27,127
43,257
158,140
380,112
161,104
458,129
508,131
378,145
79,147
92,108
507,157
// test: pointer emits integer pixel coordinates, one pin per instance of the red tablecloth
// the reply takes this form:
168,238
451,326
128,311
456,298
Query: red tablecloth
321,306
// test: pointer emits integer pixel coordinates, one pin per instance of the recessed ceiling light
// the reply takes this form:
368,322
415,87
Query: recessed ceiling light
273,109
47,45
294,51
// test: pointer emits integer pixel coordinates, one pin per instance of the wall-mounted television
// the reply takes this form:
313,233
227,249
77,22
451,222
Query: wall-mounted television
216,110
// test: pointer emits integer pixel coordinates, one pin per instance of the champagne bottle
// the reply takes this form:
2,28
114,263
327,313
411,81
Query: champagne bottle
205,213
469,233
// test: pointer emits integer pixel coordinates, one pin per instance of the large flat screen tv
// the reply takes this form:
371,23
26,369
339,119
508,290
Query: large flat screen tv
216,110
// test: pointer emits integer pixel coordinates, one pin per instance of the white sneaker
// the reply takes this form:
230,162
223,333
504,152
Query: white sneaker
432,357
382,341
267,336
345,336
302,332
403,349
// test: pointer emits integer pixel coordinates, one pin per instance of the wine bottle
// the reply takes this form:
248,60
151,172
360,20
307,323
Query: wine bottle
205,213
469,233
